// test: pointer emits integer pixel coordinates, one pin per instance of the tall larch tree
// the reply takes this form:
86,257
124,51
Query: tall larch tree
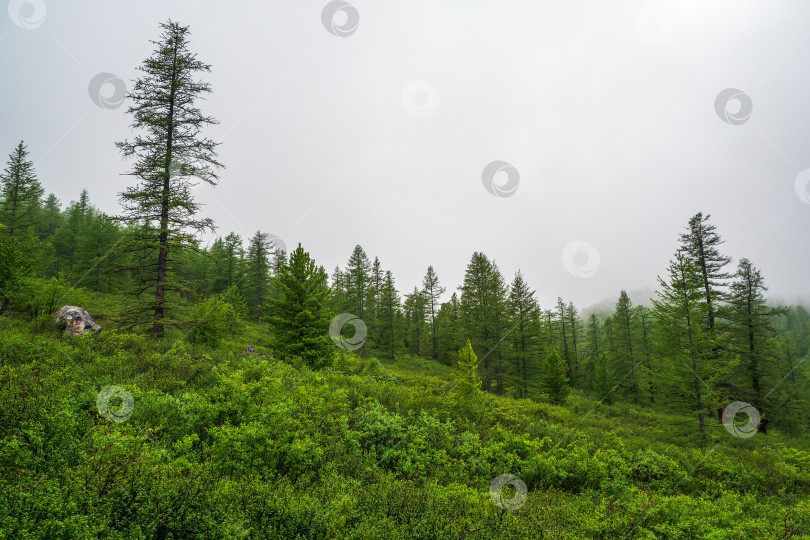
701,244
433,291
524,318
752,332
389,317
171,156
680,310
624,338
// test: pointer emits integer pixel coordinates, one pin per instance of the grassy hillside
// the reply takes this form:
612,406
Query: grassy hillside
220,444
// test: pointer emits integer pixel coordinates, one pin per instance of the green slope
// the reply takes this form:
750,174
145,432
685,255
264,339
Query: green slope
224,445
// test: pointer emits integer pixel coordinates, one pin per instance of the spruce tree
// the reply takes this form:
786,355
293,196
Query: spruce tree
483,299
299,318
359,289
554,380
257,273
21,193
171,154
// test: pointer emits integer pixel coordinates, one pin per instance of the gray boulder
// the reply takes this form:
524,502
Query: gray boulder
75,321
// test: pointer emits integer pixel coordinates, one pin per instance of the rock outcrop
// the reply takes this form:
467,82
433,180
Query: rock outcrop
75,321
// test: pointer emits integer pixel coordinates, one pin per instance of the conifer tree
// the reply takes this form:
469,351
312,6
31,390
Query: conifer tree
416,336
554,380
257,273
563,331
359,289
389,316
701,245
524,319
483,299
680,311
448,328
299,318
21,193
468,383
594,340
432,291
752,332
170,155
604,378
625,338
644,322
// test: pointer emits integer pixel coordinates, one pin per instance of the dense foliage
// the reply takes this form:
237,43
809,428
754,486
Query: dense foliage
237,391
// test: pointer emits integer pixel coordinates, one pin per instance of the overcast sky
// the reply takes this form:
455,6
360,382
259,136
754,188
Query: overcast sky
605,114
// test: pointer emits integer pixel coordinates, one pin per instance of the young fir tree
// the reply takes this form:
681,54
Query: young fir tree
432,291
680,311
21,193
752,336
257,273
299,318
171,155
468,381
554,379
